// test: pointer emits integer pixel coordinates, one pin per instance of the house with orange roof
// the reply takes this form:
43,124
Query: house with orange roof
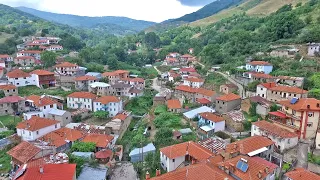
111,104
2,64
20,78
43,78
300,174
174,105
82,83
25,61
252,76
205,96
9,90
34,53
185,92
298,115
262,88
119,123
200,95
61,139
193,82
136,82
171,157
228,102
228,88
67,68
290,80
283,138
34,128
116,76
10,105
209,123
102,141
81,100
259,66
40,106
5,57
281,92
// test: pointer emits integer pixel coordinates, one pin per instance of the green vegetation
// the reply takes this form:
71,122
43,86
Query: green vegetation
5,160
314,159
141,105
160,109
101,114
76,160
168,120
253,86
10,121
34,90
5,134
83,147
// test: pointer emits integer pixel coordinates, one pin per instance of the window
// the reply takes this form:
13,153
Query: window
51,106
288,141
37,132
286,108
55,126
310,114
44,107
294,95
23,131
223,103
17,83
173,160
29,133
309,124
261,89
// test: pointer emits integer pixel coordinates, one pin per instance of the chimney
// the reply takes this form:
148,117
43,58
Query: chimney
41,169
158,172
147,175
193,161
267,170
260,174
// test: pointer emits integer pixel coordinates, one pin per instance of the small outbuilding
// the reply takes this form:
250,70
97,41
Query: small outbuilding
138,154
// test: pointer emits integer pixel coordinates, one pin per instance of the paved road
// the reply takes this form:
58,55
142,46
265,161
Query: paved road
242,92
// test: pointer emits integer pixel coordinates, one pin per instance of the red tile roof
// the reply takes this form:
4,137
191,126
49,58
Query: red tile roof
141,80
17,73
8,87
30,51
289,89
101,140
61,136
268,85
39,101
24,151
279,114
50,172
274,129
194,79
66,64
260,63
36,123
301,174
171,59
121,116
121,71
255,165
229,97
107,99
85,95
211,117
261,75
11,99
193,149
203,101
187,56
249,144
174,104
205,92
85,78
25,57
188,69
302,104
186,89
4,56
104,154
41,72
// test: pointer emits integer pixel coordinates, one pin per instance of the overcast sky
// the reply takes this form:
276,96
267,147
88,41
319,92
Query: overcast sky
150,10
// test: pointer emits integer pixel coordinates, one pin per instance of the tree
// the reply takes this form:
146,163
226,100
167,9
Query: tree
113,62
253,109
48,58
152,39
104,79
101,114
274,107
83,146
77,118
2,95
253,85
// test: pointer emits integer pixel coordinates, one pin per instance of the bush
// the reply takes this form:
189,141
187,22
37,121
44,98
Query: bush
160,109
83,147
167,120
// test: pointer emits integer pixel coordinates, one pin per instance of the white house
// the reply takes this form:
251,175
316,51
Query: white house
81,100
111,104
210,123
33,53
193,82
36,127
283,138
313,48
263,87
43,104
20,78
67,68
259,66
6,57
54,48
29,115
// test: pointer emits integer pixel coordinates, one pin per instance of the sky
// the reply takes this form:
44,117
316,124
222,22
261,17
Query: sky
150,10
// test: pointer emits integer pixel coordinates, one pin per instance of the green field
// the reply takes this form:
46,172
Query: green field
8,120
34,90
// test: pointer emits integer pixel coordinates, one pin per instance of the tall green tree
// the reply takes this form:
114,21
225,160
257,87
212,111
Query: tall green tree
48,58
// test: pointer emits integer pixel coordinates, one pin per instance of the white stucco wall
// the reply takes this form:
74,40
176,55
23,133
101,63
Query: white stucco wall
72,103
27,135
261,91
113,108
168,163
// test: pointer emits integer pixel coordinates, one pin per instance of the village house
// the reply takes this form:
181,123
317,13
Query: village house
135,82
120,89
262,105
284,53
186,71
300,116
313,49
54,48
209,124
61,139
263,87
200,95
12,105
134,92
104,156
172,59
82,83
234,120
42,41
162,97
2,64
174,105
193,82
33,53
64,117
100,88
185,92
258,76
25,61
228,88
9,90
67,68
120,123
6,57
279,93
228,102
259,66
300,174
23,153
102,141
34,128
205,97
291,81
283,138
40,106
20,78
111,104
171,157
43,78
81,100
115,76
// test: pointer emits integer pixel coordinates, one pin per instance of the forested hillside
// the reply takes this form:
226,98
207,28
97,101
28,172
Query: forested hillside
120,25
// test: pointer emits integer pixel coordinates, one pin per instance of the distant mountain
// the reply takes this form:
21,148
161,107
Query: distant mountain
127,24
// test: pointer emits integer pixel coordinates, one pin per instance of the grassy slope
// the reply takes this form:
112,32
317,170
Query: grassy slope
251,7
4,36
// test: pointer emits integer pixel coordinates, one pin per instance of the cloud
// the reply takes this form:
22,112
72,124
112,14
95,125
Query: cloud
195,2
151,10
